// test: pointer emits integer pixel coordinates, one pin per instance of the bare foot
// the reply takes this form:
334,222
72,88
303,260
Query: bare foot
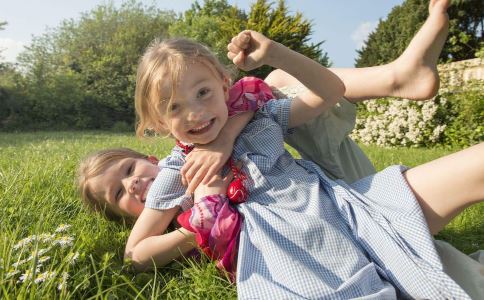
415,71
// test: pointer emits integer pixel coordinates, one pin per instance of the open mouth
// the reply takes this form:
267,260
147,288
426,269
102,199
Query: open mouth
202,128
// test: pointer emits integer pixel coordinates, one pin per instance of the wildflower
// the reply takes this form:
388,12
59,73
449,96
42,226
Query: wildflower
43,251
64,241
44,276
43,259
24,242
20,262
63,282
12,273
46,237
72,257
62,228
26,276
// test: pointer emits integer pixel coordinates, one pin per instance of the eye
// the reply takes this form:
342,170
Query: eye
118,195
174,107
130,169
203,92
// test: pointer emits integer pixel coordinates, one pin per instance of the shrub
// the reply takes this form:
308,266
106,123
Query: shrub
451,118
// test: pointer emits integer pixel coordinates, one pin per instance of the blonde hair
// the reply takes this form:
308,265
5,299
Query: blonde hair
163,62
93,165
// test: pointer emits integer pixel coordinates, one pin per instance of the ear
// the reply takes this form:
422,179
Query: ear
152,159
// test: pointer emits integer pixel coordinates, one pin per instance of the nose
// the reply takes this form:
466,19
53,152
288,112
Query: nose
195,113
133,185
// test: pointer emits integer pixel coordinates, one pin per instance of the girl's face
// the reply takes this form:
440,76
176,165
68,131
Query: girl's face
198,112
125,183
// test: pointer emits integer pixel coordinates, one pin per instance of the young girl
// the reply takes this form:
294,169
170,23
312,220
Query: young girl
303,235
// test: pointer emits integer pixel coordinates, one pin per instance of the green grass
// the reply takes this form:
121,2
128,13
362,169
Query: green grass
37,195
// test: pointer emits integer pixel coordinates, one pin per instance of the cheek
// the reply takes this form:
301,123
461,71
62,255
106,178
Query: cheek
132,208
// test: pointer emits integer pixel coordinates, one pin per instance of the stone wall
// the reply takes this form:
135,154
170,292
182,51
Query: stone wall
457,73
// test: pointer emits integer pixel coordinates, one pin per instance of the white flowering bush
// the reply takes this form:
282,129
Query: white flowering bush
454,117
42,259
396,122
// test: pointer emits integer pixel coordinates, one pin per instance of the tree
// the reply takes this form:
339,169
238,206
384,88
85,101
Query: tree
215,22
100,52
393,34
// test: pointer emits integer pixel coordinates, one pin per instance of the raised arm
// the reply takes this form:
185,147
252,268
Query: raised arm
250,50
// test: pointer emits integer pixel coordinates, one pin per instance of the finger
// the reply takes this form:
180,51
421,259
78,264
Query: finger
234,48
196,181
227,179
231,55
211,172
193,173
239,59
186,166
242,40
183,171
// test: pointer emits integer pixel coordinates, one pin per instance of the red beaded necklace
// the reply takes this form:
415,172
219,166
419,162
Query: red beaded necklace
236,191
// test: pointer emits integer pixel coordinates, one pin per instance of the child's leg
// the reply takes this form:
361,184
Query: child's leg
414,74
446,186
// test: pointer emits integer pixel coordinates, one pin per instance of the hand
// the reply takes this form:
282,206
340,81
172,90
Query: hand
204,162
216,185
249,50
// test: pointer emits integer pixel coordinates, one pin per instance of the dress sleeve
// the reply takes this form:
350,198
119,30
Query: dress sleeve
167,190
278,110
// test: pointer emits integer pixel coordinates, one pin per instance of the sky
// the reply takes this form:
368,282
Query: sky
343,25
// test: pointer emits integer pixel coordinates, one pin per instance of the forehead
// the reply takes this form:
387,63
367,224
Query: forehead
186,76
101,184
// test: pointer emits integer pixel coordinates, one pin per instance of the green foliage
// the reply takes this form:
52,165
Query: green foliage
466,116
215,22
98,55
393,34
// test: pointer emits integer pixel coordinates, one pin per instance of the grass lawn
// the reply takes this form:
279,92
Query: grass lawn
42,258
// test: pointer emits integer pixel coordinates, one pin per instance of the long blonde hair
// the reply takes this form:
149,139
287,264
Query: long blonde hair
162,62
93,165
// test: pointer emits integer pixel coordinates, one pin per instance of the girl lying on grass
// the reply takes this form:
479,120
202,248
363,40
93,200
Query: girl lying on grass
297,221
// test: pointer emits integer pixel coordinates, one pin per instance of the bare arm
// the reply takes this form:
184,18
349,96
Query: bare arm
250,50
147,245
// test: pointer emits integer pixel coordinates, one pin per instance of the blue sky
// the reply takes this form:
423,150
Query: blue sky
343,25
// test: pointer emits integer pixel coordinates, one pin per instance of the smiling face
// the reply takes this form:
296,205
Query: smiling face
124,184
198,111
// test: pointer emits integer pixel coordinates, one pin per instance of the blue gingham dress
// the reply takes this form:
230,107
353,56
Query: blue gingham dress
306,236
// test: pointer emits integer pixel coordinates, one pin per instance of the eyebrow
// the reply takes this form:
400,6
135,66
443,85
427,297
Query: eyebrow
201,80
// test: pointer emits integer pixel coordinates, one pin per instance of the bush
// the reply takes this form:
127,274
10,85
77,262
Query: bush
451,118
466,124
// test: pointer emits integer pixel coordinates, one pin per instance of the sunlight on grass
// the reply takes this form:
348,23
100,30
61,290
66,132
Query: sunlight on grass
84,260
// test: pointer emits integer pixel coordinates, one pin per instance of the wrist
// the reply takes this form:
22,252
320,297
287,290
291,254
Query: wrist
274,50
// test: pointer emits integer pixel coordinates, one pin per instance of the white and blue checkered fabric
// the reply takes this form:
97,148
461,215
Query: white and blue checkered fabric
307,237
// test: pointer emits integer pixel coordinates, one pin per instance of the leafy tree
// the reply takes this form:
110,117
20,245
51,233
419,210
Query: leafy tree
215,22
99,52
393,34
